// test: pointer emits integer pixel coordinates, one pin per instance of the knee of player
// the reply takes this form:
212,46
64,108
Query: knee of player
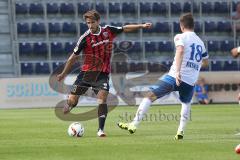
101,101
150,95
72,102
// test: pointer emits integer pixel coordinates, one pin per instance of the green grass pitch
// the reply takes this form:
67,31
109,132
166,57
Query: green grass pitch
29,134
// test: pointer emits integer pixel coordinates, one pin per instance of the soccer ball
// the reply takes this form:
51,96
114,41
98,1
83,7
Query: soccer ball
237,149
76,129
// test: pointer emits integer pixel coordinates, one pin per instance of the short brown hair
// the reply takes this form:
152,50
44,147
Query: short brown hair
91,14
187,20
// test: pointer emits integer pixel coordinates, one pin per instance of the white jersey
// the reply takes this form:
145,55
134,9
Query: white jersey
194,52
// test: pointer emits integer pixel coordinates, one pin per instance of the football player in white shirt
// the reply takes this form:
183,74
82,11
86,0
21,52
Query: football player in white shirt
189,57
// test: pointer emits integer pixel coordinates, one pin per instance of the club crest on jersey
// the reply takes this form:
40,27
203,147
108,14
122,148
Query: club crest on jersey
105,34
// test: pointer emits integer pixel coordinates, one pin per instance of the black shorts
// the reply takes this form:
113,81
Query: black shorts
96,80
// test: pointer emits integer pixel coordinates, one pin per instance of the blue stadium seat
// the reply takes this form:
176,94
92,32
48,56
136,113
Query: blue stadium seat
224,26
197,27
42,68
55,65
136,66
166,64
27,68
230,66
136,48
213,46
210,26
38,28
187,7
221,7
69,28
216,66
145,7
190,6
36,8
234,6
150,46
23,28
128,7
204,69
25,49
54,28
121,67
52,8
176,27
227,45
165,46
83,28
84,7
56,48
69,46
153,67
162,27
207,7
100,7
66,8
114,8
159,8
21,8
40,49
176,7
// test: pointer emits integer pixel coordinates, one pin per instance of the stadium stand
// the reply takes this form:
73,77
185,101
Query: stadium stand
38,28
67,8
36,8
23,28
25,49
52,8
42,68
54,28
56,49
83,7
54,33
27,68
21,8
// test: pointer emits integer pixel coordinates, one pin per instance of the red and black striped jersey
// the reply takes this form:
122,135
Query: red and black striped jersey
97,48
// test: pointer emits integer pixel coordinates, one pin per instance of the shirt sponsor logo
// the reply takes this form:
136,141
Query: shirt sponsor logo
101,42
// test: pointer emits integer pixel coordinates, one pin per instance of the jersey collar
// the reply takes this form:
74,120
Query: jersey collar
100,29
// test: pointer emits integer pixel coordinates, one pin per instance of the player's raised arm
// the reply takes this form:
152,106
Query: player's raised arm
133,27
71,60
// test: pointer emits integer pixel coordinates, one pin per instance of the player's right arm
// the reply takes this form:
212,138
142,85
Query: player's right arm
74,57
71,60
179,58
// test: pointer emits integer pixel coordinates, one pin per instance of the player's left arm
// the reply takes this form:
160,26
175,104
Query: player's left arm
133,27
179,58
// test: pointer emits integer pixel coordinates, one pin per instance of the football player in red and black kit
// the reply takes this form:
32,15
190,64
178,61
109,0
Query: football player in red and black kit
96,47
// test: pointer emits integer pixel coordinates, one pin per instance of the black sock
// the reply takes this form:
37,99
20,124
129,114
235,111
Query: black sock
102,115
